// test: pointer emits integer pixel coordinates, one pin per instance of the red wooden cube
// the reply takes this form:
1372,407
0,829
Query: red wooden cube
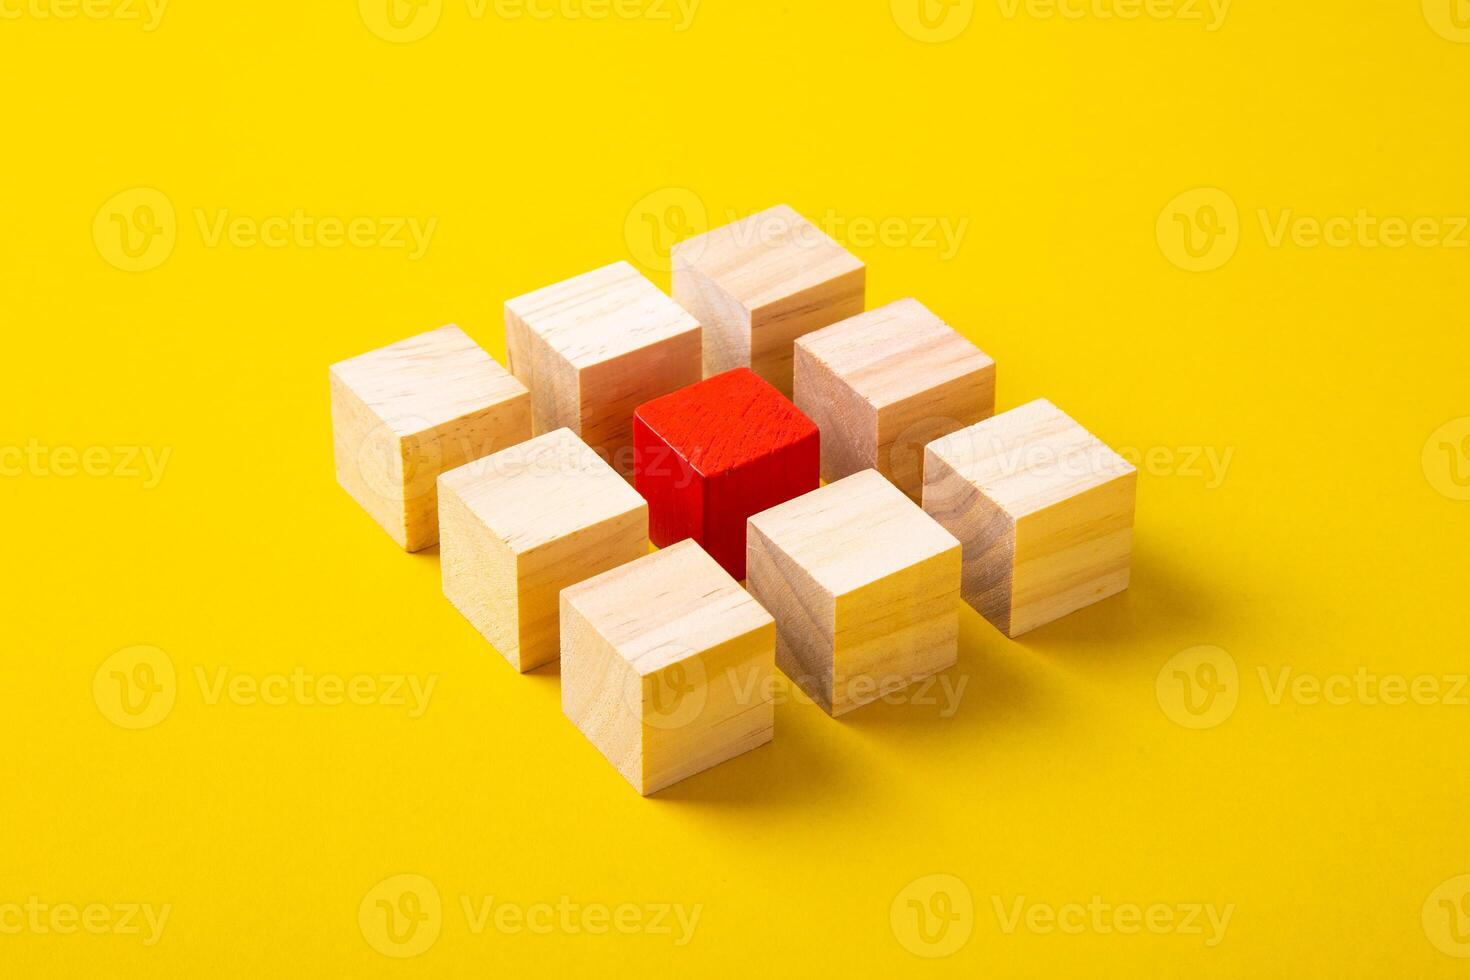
709,456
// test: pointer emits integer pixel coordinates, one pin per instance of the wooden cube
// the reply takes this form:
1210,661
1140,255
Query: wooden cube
593,348
520,526
666,666
758,284
405,413
1044,511
708,457
883,384
865,588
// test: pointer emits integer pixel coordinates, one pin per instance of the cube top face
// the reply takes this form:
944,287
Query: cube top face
427,381
767,257
854,532
698,606
864,350
542,490
1030,458
727,421
601,315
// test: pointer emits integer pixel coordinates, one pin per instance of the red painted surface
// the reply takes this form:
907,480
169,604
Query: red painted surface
709,456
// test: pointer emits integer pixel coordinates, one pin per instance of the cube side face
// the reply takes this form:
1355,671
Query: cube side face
733,497
987,536
674,489
724,322
849,426
479,574
518,358
1072,554
368,457
555,390
545,571
805,614
610,392
896,630
681,667
600,693
708,708
906,426
427,455
775,327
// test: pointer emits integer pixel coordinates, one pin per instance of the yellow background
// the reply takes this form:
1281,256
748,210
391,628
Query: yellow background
544,147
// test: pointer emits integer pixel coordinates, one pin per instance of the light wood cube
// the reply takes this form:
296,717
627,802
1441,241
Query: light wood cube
864,587
405,413
666,666
758,284
595,347
883,384
1044,510
521,525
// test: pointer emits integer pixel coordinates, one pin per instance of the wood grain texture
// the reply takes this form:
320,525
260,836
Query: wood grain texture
864,586
405,413
711,455
761,282
666,664
593,348
885,383
521,525
1043,508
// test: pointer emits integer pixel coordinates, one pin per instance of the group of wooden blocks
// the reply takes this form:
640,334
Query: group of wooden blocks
705,424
